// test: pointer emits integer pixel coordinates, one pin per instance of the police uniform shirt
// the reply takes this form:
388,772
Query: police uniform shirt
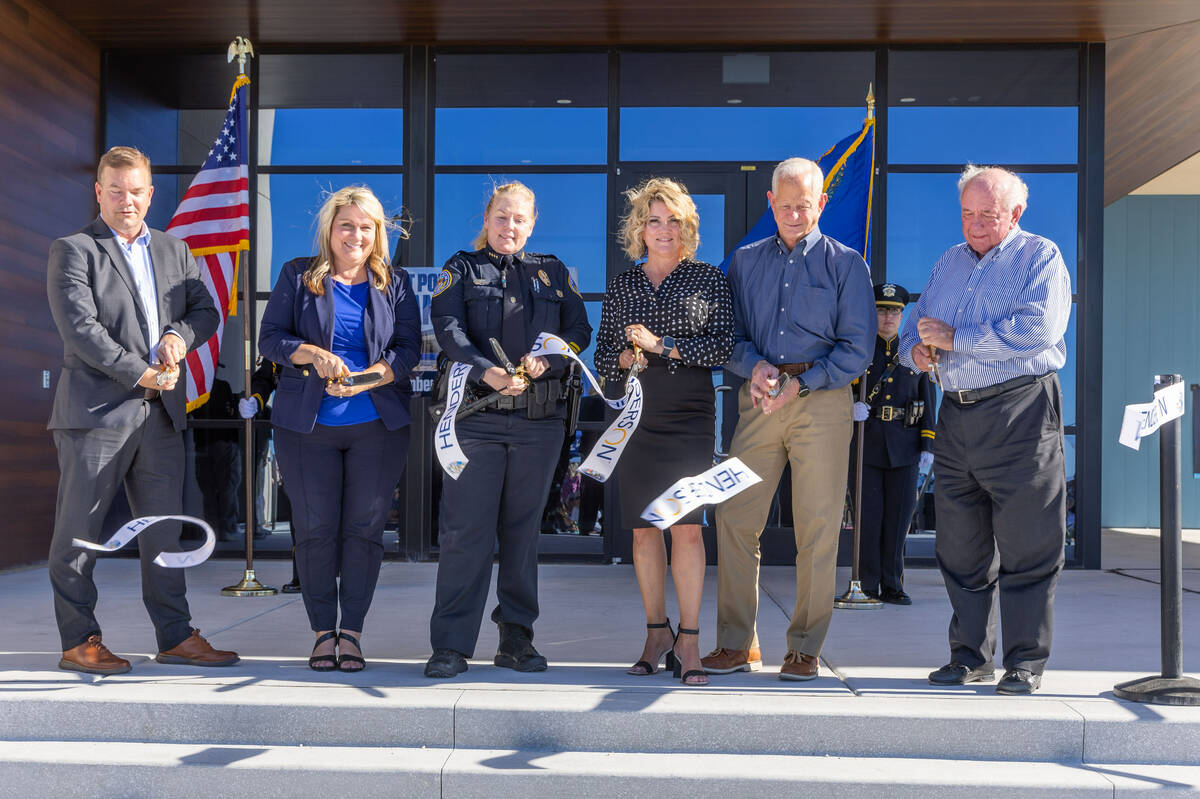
472,297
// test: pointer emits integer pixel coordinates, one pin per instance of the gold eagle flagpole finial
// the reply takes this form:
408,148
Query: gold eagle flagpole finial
241,49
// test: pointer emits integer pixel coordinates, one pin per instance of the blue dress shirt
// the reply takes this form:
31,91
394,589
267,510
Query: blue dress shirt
137,257
349,344
1009,310
813,303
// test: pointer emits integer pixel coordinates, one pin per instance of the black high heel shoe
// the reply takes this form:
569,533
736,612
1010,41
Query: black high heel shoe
330,659
652,668
678,666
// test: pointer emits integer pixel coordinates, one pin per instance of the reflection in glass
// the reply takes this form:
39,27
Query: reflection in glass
944,135
485,136
733,133
571,224
329,136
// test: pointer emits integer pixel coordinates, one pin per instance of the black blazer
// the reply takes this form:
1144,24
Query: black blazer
96,307
296,316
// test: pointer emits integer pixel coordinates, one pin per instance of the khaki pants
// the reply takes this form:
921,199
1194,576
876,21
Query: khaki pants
813,435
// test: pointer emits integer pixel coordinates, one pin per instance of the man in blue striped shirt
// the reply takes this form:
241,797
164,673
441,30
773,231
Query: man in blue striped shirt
990,324
804,327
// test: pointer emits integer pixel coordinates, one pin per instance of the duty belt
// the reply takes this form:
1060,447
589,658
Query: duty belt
794,369
889,413
506,403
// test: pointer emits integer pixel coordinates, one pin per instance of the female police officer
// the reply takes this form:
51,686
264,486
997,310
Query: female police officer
500,292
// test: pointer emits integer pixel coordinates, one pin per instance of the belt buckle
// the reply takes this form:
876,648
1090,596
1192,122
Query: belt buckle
962,399
886,413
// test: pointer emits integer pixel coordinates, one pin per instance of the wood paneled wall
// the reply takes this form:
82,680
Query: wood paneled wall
50,104
1152,106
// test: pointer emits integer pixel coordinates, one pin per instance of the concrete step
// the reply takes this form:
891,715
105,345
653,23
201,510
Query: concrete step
259,707
131,771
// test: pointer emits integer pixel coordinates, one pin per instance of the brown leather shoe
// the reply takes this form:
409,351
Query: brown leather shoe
798,666
195,651
726,661
93,657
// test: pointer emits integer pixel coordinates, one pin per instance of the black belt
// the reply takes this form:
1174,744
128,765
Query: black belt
973,395
889,413
506,402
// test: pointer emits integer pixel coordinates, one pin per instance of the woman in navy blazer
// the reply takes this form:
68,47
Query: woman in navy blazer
345,327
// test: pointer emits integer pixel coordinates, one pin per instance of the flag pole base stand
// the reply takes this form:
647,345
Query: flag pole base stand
249,586
1160,690
855,598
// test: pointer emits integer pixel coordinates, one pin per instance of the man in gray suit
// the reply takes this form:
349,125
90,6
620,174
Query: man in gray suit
129,303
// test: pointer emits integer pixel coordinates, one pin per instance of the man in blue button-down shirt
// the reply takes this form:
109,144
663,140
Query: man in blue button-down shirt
992,317
804,328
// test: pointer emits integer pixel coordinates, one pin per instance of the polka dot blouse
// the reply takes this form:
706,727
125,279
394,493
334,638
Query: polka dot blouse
693,304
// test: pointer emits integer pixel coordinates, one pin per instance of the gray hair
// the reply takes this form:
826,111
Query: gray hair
1008,185
802,171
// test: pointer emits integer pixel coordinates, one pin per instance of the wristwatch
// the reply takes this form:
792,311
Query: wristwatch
803,392
668,344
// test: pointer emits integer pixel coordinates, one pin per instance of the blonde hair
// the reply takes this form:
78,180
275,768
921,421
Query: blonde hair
378,262
670,193
512,187
120,157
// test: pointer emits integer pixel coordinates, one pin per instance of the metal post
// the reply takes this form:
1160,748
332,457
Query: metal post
1171,687
854,596
249,585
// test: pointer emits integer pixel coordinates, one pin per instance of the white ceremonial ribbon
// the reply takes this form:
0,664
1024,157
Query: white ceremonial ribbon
603,458
171,560
445,440
1143,418
725,480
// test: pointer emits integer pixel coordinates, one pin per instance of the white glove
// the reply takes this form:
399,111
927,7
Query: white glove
926,461
247,407
861,411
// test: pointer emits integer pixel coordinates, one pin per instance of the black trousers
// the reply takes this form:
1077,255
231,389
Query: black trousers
148,459
498,497
340,481
889,497
1001,512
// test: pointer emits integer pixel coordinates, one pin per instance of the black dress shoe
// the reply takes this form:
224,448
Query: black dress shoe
893,597
1017,682
291,588
954,673
445,663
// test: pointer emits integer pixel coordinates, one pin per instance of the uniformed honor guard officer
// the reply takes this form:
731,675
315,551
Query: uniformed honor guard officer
500,291
897,443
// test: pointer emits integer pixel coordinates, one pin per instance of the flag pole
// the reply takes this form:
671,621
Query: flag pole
854,596
241,49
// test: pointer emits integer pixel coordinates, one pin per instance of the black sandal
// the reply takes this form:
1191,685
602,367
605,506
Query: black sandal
331,658
350,658
683,678
652,668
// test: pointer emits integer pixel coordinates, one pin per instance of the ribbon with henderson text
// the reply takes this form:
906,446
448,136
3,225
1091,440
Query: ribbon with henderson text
170,560
727,479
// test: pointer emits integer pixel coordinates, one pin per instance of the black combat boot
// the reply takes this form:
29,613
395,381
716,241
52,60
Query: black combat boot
516,647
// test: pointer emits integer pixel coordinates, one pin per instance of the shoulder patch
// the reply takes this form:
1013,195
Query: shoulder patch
574,288
443,282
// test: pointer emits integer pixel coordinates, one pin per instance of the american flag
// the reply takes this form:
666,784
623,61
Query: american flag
214,219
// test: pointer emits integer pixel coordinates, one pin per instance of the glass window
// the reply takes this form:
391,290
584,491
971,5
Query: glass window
986,106
740,106
331,136
923,220
942,135
733,134
287,214
571,222
711,208
543,108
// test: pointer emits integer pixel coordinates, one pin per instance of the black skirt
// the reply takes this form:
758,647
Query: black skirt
675,438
